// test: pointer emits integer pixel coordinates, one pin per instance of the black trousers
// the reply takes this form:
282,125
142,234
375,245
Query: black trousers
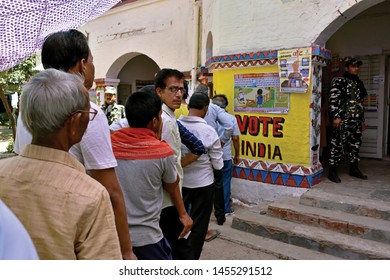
199,204
219,202
171,228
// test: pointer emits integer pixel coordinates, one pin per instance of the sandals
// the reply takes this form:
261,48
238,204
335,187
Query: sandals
214,234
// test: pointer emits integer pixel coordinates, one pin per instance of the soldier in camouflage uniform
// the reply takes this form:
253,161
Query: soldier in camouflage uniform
347,118
112,110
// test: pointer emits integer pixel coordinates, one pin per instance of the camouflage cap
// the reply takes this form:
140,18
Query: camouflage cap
110,90
352,61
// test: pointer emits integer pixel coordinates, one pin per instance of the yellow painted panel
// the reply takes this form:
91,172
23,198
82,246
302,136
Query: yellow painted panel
285,142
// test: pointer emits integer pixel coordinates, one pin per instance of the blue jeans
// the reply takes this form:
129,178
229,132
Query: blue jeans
227,174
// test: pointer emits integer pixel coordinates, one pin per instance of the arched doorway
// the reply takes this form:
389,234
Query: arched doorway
132,71
209,46
362,31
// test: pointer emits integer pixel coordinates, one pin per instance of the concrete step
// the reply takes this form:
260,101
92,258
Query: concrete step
360,206
290,209
276,248
314,238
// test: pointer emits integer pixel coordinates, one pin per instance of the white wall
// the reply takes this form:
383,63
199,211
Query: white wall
256,25
158,29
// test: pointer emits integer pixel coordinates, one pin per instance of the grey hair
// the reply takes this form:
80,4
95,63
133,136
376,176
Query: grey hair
202,88
49,99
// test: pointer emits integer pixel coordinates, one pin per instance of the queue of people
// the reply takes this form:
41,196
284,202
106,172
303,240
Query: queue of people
81,193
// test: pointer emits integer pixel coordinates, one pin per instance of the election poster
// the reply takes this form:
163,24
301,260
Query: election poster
294,69
259,92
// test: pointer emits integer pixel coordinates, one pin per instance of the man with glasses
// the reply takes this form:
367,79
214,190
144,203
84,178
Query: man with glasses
67,213
346,113
169,85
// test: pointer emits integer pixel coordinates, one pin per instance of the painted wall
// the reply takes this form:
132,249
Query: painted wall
295,130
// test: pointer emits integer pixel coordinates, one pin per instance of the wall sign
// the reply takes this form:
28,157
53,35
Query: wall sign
294,69
259,92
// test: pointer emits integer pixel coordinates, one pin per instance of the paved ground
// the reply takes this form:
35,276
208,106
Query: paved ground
376,187
223,249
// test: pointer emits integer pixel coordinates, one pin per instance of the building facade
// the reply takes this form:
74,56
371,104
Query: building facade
248,48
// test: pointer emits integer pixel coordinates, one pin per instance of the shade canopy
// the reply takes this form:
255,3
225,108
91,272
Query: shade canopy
24,24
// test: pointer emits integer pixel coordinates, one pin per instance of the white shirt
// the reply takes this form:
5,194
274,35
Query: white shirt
94,151
200,172
15,243
118,124
227,148
171,135
218,116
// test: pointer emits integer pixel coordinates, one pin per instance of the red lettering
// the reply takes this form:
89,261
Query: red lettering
250,148
242,124
261,150
277,153
253,126
277,127
265,121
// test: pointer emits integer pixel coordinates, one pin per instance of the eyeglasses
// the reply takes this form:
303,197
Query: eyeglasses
92,113
176,89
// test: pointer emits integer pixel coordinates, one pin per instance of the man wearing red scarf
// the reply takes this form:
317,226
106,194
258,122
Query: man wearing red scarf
146,166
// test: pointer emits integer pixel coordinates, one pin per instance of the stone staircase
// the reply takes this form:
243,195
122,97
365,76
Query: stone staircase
327,224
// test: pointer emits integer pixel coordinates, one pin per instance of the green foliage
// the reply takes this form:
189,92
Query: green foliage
12,79
10,147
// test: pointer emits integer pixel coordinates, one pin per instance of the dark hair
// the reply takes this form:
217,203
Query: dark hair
220,100
142,107
185,94
163,74
148,88
62,50
259,91
198,101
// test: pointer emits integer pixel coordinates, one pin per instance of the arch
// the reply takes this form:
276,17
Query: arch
209,46
133,70
344,18
118,64
365,35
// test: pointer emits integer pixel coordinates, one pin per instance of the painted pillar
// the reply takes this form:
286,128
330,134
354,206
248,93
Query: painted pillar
280,132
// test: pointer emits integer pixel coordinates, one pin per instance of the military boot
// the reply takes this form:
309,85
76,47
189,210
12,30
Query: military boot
355,172
332,175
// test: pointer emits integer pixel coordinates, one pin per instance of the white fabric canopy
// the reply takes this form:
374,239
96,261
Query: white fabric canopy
24,24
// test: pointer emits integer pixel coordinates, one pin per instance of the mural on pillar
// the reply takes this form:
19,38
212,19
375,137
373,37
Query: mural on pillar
259,92
278,144
315,115
99,95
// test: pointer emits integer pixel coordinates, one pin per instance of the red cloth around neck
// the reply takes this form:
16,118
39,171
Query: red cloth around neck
138,143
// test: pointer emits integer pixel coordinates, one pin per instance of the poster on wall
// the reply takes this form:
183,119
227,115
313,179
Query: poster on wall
259,92
294,69
370,102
